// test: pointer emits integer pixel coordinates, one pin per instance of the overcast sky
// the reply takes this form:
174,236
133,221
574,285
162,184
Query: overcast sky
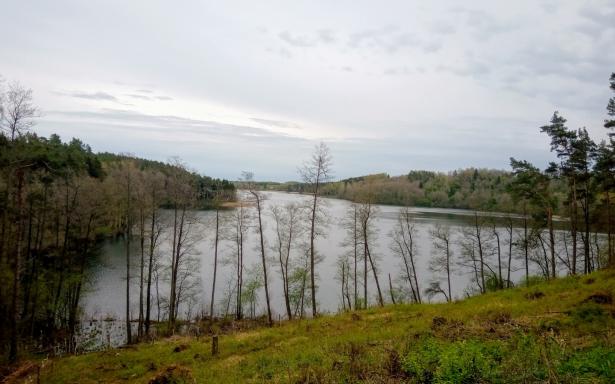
253,85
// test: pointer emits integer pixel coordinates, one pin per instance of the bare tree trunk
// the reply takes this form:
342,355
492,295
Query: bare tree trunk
410,250
480,253
609,229
239,242
140,330
589,267
264,259
448,269
525,248
510,244
213,284
150,265
13,348
369,256
497,237
342,285
391,290
173,253
354,231
573,227
128,224
312,238
286,285
551,241
174,303
365,275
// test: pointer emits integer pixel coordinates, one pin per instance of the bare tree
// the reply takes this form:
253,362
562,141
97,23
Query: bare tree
367,212
287,228
217,225
237,233
343,272
315,172
510,243
18,112
182,196
441,262
127,174
248,178
475,252
352,241
154,185
404,245
496,236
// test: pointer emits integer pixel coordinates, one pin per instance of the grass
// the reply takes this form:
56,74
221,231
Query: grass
557,331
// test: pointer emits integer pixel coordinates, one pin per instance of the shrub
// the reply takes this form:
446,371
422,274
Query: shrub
589,313
595,362
465,361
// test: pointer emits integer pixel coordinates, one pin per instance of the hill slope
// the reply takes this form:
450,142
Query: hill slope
559,331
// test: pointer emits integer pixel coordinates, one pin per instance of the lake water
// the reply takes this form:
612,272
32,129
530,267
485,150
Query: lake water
105,299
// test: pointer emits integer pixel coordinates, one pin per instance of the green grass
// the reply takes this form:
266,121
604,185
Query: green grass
550,332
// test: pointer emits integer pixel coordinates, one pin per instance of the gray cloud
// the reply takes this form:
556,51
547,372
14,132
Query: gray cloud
90,95
276,123
486,25
602,14
296,40
326,36
417,67
390,39
173,125
137,96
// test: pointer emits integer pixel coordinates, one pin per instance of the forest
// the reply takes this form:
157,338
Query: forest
60,200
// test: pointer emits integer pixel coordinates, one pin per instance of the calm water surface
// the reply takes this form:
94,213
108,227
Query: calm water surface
106,295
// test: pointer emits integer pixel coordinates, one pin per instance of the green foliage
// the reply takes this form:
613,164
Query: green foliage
520,359
467,361
589,316
596,362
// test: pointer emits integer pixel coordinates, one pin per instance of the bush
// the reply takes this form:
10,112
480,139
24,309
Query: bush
595,362
589,313
466,361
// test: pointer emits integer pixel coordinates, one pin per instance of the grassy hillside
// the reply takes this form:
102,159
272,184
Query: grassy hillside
559,331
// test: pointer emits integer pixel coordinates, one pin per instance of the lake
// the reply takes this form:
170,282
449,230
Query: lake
105,298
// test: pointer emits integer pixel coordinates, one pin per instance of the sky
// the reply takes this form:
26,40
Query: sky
389,86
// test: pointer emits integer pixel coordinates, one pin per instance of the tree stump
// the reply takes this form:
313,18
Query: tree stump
214,345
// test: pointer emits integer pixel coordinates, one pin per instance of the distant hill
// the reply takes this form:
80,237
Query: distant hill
471,188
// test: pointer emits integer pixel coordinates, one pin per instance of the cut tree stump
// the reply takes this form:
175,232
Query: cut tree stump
214,345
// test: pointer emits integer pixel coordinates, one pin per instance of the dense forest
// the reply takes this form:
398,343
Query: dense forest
58,200
472,188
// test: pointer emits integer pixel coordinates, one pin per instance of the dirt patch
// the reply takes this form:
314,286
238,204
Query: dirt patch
181,347
173,374
231,361
600,298
449,329
19,373
438,322
534,295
